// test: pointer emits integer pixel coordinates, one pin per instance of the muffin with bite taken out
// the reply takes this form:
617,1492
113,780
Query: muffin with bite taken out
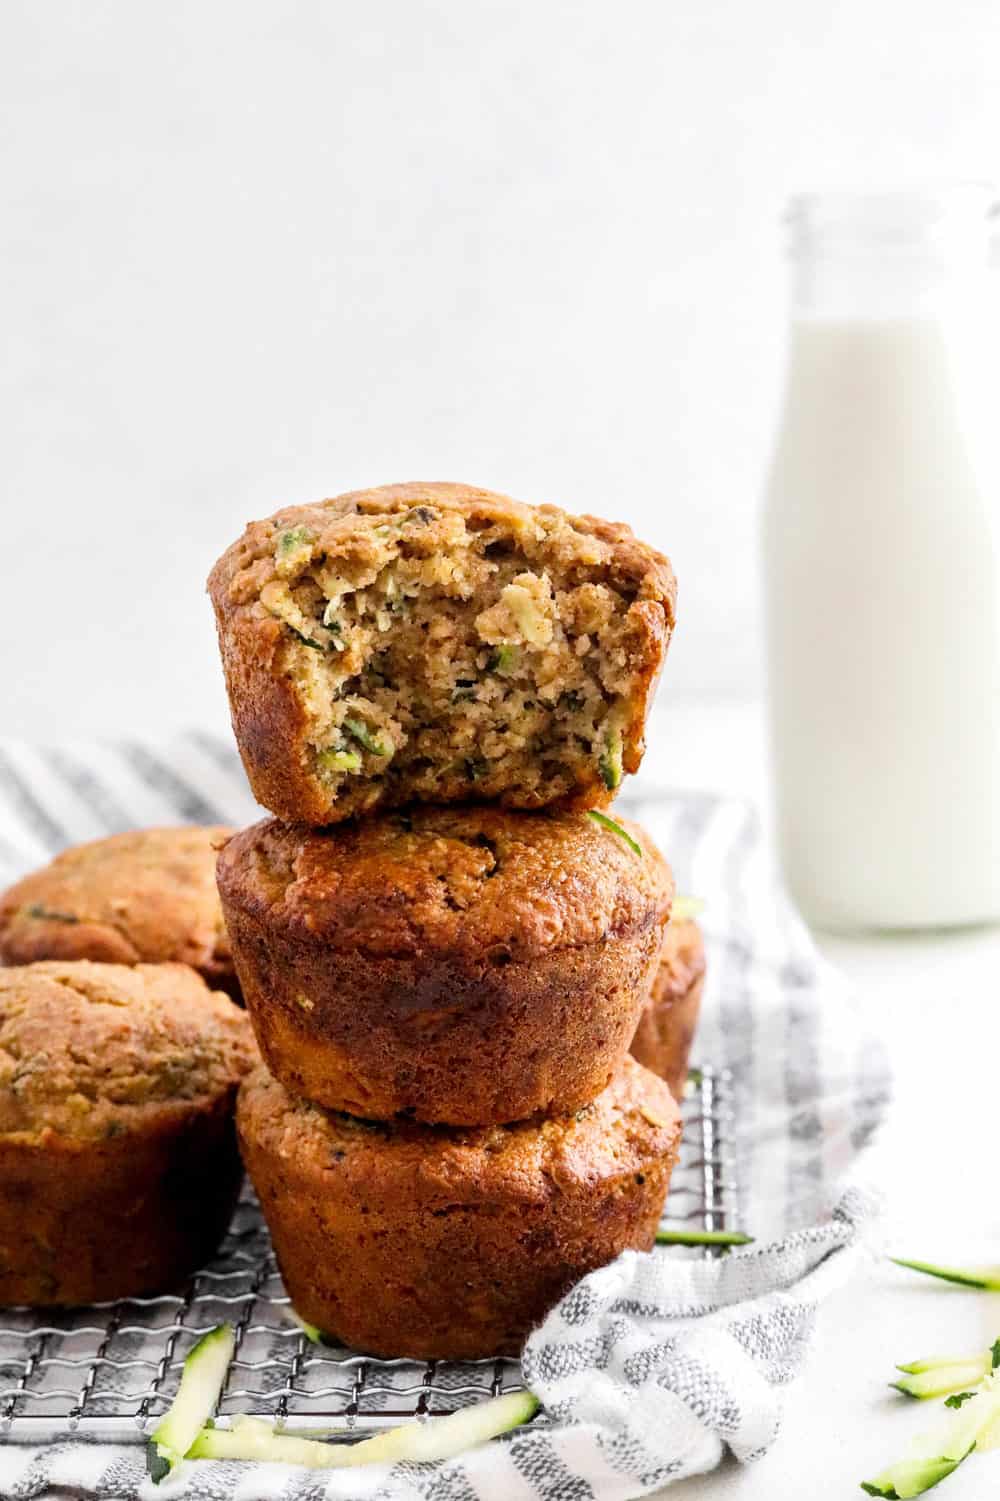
438,643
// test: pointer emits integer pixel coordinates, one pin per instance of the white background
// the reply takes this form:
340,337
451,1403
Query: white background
255,253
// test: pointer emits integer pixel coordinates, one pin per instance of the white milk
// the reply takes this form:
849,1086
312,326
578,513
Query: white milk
882,584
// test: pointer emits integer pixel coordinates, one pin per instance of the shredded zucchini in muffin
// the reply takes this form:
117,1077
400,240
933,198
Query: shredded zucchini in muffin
431,646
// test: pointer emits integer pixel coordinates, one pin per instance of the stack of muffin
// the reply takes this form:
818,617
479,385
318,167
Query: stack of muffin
445,947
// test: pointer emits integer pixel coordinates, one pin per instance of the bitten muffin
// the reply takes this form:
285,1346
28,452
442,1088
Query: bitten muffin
421,1241
669,1019
461,965
146,896
118,1160
438,643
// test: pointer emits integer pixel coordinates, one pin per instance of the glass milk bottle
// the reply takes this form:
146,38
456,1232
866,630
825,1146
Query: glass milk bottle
881,569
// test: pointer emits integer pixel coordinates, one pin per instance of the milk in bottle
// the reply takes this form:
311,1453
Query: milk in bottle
881,566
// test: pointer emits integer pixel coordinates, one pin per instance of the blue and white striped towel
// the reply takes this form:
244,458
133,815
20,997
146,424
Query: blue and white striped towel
652,1368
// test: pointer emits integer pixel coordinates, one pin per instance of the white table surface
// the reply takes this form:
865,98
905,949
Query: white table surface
936,997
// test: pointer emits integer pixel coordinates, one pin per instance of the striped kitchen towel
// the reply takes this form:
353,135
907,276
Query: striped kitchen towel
655,1366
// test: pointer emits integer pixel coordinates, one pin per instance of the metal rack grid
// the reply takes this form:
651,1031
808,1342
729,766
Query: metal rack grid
113,1368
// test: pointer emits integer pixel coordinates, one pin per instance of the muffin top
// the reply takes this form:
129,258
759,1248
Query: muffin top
148,896
354,525
465,879
682,960
632,1122
87,1050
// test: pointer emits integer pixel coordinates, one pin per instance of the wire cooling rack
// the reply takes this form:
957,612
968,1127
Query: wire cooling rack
113,1368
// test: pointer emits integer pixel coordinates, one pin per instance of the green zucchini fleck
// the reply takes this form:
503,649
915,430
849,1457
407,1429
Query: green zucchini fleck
305,640
49,914
504,658
339,760
987,1277
703,1238
935,1455
311,1331
610,761
367,737
447,1437
616,828
293,539
158,1467
202,1380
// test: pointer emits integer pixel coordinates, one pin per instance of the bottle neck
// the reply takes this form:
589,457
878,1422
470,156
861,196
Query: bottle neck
878,286
897,255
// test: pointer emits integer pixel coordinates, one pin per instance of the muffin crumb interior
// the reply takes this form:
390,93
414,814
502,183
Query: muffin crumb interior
431,644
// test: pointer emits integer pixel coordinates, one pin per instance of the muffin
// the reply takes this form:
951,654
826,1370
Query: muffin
669,1019
147,896
461,965
433,1243
118,1160
438,643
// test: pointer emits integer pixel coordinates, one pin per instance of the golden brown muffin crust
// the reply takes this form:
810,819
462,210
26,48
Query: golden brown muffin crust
669,1019
118,1160
633,1119
425,1242
682,960
458,880
144,896
464,965
438,642
91,1050
249,563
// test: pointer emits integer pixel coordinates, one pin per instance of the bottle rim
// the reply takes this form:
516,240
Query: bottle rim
894,218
